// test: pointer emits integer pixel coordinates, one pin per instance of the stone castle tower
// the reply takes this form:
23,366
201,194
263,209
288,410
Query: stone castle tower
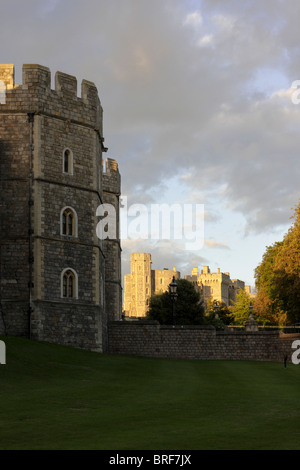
143,282
137,285
161,279
59,282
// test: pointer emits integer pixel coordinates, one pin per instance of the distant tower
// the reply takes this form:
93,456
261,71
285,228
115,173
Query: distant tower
138,285
162,278
53,266
143,282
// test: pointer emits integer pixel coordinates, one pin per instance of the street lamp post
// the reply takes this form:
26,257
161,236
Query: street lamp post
250,309
173,293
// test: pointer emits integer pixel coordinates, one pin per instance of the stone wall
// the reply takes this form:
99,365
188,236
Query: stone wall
76,324
150,339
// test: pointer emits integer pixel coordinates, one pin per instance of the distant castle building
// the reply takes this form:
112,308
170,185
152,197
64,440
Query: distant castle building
59,282
138,286
216,286
142,283
162,279
250,292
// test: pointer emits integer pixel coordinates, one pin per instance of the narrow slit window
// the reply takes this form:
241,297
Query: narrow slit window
68,161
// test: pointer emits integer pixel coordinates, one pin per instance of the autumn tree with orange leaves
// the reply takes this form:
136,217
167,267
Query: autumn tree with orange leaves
277,278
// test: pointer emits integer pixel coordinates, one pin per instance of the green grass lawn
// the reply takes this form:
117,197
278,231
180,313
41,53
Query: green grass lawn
54,397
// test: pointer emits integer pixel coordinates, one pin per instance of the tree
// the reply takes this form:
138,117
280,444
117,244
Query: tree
240,309
287,266
267,311
278,276
265,274
218,317
189,306
267,281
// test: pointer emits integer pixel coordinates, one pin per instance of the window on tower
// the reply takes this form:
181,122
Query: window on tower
68,222
68,161
69,284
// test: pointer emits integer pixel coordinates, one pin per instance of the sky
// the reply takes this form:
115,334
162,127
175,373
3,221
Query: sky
199,109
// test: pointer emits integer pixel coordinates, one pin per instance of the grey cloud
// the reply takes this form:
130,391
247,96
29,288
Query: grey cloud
170,105
215,244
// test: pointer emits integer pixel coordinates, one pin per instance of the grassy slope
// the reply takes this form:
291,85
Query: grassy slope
54,397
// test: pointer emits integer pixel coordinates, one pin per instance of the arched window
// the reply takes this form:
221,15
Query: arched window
68,222
68,161
69,284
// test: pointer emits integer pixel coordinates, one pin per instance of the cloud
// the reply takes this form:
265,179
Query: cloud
193,19
225,23
214,244
206,40
217,118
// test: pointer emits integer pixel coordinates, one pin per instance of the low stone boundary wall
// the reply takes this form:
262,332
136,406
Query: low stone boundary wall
150,339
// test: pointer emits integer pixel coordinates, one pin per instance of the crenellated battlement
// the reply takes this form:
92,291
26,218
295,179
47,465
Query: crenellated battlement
140,257
35,94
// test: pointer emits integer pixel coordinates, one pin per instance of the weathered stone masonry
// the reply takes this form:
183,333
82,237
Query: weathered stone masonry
150,339
112,247
37,126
